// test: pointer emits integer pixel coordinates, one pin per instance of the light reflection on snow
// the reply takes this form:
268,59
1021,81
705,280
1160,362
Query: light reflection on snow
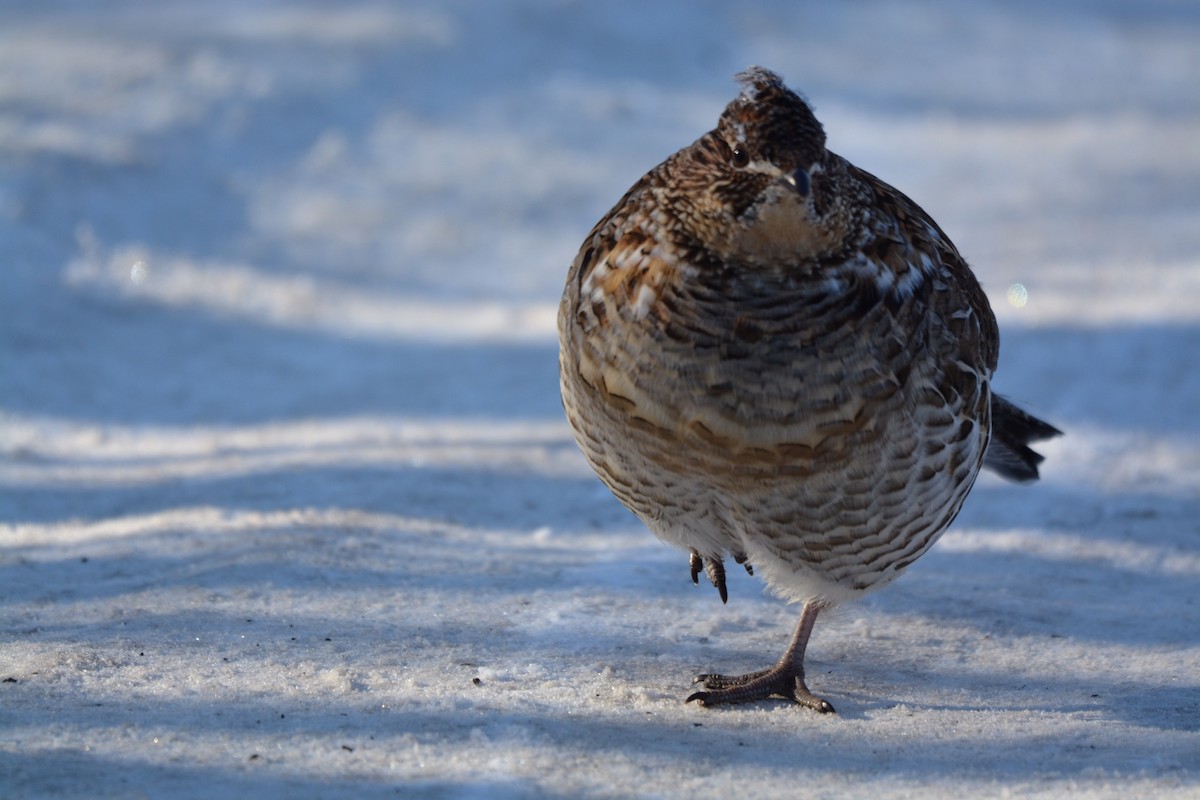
306,302
65,453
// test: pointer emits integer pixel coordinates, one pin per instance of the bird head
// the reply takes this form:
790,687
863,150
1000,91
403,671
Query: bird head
761,188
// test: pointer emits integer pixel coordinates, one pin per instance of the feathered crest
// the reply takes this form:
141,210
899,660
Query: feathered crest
756,80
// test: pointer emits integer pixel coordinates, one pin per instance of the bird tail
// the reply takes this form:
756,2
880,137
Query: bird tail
1008,452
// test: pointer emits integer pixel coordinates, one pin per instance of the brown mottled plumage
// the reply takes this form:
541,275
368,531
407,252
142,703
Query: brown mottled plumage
770,354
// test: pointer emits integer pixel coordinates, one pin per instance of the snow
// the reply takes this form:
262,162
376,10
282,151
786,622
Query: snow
287,504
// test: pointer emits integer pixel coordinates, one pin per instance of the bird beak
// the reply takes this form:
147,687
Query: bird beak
799,181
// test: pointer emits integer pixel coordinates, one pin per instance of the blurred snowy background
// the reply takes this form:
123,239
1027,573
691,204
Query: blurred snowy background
287,506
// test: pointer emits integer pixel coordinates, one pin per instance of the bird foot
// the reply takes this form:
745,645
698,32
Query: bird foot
781,680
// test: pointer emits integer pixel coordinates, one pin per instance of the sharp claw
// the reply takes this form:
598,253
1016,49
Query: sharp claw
696,563
716,573
741,559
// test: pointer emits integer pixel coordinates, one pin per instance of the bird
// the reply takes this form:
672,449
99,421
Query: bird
770,355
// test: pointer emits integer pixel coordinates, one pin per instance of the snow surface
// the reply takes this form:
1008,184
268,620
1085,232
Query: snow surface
287,505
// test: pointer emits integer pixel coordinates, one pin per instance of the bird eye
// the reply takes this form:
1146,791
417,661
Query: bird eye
739,157
803,182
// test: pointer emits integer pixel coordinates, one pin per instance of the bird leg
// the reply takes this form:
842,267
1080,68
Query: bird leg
785,679
714,568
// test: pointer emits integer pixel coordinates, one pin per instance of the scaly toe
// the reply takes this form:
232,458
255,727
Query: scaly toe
774,682
713,681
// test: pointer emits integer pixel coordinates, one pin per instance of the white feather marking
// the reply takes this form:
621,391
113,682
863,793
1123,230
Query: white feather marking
914,277
645,299
884,279
909,282
589,287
